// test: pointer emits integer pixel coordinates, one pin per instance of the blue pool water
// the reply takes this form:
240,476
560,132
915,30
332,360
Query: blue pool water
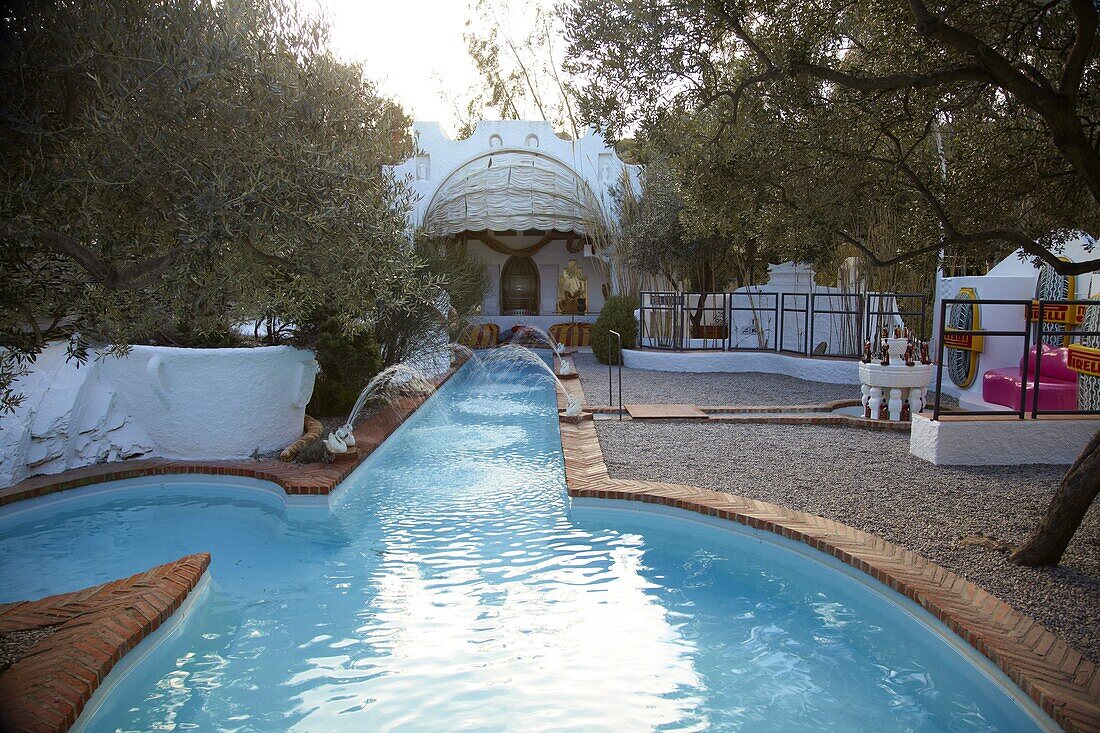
450,586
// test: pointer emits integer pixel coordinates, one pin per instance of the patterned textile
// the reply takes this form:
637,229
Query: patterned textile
572,334
482,336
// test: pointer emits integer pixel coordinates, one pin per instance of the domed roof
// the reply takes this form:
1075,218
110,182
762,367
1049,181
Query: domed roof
513,190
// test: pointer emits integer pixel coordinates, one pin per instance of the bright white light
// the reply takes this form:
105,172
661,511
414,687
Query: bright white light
413,49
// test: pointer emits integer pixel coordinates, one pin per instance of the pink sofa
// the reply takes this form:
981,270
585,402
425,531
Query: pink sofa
1057,382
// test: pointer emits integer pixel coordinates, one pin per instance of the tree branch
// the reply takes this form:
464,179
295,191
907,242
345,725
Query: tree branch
132,277
1085,12
895,82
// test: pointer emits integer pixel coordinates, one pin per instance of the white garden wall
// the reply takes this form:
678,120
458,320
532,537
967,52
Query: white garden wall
831,371
157,401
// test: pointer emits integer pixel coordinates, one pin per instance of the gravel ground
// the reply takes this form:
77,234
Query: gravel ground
868,479
641,385
14,645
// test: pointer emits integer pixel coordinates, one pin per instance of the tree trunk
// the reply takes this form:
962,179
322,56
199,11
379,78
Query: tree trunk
1067,508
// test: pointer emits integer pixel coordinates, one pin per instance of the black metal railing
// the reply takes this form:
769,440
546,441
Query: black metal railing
661,329
1031,336
848,343
877,317
619,339
804,331
756,330
780,322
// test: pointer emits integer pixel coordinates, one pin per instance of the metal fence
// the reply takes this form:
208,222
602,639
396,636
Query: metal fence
1038,326
876,315
789,323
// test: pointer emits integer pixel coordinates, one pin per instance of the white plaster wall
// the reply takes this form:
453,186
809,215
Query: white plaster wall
997,351
832,371
158,401
196,403
1002,442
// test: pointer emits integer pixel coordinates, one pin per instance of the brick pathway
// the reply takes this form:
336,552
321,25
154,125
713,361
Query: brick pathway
45,691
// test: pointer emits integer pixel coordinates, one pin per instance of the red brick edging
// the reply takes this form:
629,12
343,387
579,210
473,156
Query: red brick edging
1053,674
45,691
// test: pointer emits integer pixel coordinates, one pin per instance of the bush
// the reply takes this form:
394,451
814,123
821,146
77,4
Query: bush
347,361
617,315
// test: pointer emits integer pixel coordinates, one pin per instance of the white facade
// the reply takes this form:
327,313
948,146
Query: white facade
516,189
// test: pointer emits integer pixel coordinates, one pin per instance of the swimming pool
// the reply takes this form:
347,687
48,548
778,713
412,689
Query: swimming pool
451,585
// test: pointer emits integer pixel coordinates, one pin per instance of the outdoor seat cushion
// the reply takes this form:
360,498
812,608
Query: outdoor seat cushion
1057,383
572,334
481,336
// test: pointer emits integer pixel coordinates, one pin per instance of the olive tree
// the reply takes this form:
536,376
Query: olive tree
172,169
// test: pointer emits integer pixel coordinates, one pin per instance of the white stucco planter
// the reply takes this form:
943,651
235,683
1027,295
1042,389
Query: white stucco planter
213,403
1000,441
833,371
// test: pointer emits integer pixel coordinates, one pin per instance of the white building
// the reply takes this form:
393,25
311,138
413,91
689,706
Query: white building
526,201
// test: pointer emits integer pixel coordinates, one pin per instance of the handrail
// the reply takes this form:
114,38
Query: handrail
619,337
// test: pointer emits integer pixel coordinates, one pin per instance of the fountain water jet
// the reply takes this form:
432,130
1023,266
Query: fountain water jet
521,354
542,337
389,384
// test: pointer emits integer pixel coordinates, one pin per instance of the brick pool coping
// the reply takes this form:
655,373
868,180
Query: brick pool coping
1053,674
46,689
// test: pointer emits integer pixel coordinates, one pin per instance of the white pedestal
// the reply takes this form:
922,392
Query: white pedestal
895,384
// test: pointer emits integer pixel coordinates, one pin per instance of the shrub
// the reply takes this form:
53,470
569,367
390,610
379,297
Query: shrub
617,315
347,361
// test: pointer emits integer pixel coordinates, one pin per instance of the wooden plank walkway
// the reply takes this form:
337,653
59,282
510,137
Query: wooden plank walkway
665,412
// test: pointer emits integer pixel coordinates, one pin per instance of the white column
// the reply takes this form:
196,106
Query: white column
916,399
895,404
875,402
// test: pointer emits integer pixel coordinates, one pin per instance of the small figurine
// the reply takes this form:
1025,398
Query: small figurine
905,413
924,358
885,354
866,358
908,336
885,332
909,355
897,332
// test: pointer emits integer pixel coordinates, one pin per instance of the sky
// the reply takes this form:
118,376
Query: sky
412,48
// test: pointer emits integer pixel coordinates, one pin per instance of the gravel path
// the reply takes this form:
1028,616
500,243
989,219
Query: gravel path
869,480
708,388
14,645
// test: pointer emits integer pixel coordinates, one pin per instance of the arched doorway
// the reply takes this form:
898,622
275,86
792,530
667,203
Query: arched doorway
519,287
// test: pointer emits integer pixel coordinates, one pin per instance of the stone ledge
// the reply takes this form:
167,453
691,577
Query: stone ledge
1054,675
45,690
